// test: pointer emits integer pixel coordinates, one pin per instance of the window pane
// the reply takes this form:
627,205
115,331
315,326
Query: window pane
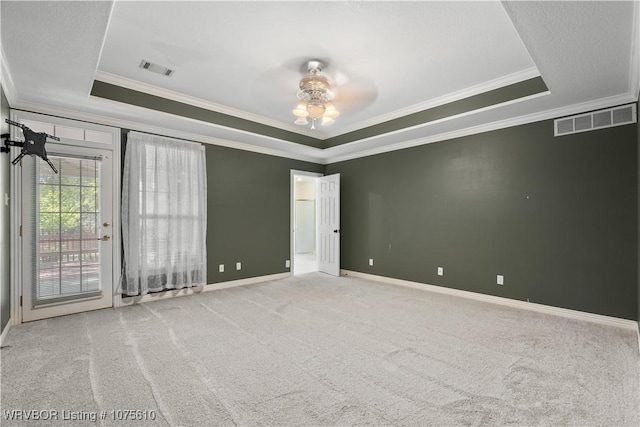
89,225
69,171
88,199
49,284
89,173
69,198
70,281
49,198
49,224
68,250
70,225
48,176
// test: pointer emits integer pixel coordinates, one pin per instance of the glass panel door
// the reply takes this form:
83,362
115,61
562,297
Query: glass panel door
66,238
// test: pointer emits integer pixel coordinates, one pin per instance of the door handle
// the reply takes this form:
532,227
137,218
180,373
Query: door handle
106,224
104,238
336,231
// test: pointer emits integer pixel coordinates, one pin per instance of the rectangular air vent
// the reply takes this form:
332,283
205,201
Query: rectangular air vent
600,119
159,69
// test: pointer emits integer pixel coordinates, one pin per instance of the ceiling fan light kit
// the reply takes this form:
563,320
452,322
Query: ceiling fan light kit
315,96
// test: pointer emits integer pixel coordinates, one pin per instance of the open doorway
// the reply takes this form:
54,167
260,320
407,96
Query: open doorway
315,223
303,222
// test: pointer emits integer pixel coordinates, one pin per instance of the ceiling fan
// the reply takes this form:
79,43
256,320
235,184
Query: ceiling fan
321,90
315,94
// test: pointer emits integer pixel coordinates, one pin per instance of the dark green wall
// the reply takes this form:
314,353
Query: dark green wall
557,217
5,249
248,212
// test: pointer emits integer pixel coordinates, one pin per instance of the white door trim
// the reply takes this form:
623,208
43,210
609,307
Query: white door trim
31,168
292,217
15,242
16,198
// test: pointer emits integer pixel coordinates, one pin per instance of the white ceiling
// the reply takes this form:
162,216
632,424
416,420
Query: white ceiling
389,59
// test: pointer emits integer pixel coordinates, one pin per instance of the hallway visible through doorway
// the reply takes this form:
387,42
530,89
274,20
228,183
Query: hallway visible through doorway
304,241
305,263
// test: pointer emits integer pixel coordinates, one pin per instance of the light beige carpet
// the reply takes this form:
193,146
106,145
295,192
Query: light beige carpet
319,350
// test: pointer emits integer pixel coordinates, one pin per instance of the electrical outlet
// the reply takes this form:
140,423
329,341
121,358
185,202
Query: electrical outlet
500,279
221,268
371,261
287,264
440,271
238,266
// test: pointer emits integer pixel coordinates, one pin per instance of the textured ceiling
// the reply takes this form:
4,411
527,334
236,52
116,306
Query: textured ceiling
385,57
397,66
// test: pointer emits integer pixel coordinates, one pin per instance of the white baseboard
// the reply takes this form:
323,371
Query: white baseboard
540,308
173,293
5,331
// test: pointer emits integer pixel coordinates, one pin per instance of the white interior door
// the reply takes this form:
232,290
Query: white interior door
328,204
66,232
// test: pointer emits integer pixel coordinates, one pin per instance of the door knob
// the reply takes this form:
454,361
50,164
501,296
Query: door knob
104,238
106,224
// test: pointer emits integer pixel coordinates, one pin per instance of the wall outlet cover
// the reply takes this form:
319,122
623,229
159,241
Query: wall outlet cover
221,268
440,271
287,263
371,261
238,265
500,279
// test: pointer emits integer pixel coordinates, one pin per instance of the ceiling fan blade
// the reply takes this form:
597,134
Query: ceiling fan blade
354,100
339,78
275,83
355,94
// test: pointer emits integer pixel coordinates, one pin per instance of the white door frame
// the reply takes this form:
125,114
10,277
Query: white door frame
70,127
292,216
32,166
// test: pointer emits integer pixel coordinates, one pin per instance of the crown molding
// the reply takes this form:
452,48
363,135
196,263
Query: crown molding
197,102
289,149
503,81
501,124
126,124
431,123
6,80
331,155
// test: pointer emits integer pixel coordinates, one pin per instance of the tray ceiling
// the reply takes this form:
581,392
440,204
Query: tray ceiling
405,73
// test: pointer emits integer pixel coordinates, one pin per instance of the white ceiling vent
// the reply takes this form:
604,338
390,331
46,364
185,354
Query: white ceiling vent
159,69
610,117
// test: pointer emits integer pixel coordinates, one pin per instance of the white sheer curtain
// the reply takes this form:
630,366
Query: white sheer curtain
164,214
